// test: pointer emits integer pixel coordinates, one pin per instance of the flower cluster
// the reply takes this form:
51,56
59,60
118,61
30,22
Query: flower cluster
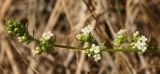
19,30
140,42
94,52
120,38
85,34
47,41
45,44
137,42
87,29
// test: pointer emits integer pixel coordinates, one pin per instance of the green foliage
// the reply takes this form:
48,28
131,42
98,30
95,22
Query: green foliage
18,30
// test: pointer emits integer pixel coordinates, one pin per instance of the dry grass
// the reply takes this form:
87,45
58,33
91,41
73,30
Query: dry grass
65,18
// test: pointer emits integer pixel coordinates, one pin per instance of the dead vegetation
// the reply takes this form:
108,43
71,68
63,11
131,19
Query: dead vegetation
65,18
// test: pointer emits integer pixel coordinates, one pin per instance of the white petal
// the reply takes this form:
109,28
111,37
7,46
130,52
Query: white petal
96,51
97,57
87,29
47,35
121,31
144,49
136,33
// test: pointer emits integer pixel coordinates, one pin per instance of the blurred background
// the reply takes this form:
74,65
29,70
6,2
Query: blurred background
65,18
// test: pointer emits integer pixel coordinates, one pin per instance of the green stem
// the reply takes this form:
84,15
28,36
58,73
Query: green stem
69,47
120,50
104,49
154,49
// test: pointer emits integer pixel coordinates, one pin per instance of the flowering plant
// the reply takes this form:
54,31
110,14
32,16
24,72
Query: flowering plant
47,42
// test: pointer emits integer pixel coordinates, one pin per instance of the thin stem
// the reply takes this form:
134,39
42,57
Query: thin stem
120,50
69,47
154,49
104,49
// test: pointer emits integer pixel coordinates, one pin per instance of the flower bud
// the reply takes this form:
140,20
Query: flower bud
120,38
24,38
20,39
136,34
9,31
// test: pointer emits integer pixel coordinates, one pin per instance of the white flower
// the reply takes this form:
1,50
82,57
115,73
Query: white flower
47,35
94,52
85,34
143,39
37,48
122,31
97,57
24,37
87,30
120,38
136,34
79,36
141,44
20,39
9,31
35,51
144,48
120,34
95,49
